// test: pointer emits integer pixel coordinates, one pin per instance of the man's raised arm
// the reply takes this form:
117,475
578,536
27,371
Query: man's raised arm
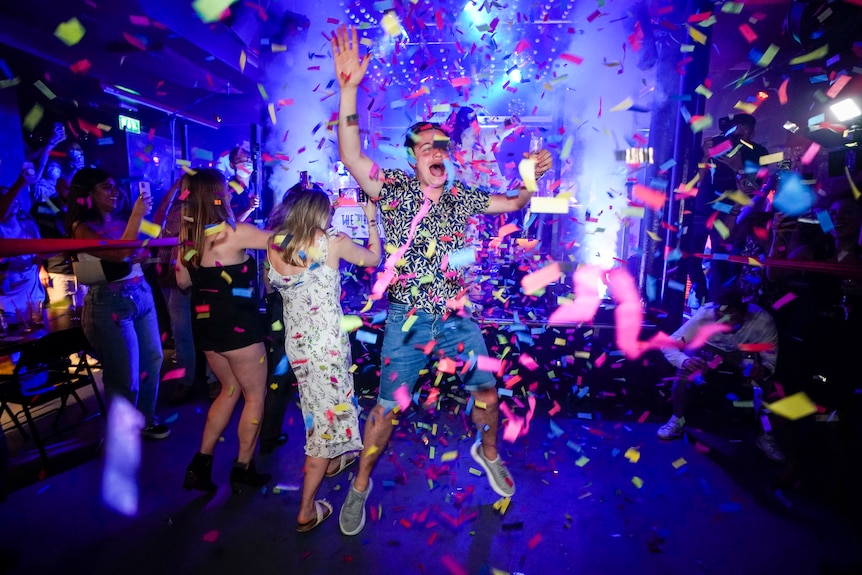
349,71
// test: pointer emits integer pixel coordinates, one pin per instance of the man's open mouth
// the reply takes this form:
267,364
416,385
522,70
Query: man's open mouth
437,170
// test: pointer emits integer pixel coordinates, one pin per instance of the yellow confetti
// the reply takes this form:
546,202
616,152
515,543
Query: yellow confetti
697,35
633,455
545,205
481,404
679,463
220,227
853,187
821,52
768,56
475,472
624,105
746,107
637,482
721,229
190,253
655,237
231,391
350,323
449,456
793,407
391,25
408,323
226,277
582,460
70,32
33,117
341,408
273,386
527,171
211,10
189,171
243,58
704,91
150,229
271,108
775,158
277,325
46,91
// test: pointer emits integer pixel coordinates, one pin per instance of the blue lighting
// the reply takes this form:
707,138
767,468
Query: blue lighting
515,76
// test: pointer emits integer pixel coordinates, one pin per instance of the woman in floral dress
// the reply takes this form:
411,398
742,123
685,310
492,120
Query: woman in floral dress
304,258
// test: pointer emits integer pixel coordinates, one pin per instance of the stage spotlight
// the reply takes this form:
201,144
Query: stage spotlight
761,96
846,110
515,76
474,12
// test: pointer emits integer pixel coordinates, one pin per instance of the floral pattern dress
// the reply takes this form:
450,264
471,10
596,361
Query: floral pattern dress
319,353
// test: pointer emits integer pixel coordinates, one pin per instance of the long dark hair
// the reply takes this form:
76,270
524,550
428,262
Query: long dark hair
207,204
80,203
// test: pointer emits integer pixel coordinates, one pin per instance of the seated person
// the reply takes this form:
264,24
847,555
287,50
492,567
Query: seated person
20,285
723,356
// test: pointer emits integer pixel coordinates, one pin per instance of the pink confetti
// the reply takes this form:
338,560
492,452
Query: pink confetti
522,45
446,365
572,58
211,536
628,314
810,153
175,374
838,85
459,82
492,364
402,396
537,280
706,332
452,565
749,34
587,300
528,362
784,300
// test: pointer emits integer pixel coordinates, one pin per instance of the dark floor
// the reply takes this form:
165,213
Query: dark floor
597,494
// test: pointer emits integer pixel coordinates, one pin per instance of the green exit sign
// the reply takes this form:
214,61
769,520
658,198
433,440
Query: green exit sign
132,125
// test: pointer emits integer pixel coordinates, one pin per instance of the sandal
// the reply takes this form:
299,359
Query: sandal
323,508
344,461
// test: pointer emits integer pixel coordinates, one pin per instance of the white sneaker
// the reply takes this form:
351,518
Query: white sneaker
672,429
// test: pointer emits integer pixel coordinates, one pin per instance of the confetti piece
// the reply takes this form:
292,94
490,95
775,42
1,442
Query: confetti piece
178,373
587,299
449,456
33,117
782,92
150,229
697,35
793,407
70,32
390,24
537,280
820,52
810,154
637,482
527,171
582,460
679,463
402,396
212,10
632,454
624,105
547,205
350,323
654,199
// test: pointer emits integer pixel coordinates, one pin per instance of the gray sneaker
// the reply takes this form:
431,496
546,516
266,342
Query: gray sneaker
498,475
351,519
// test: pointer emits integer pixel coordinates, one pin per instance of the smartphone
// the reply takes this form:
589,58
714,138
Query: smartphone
143,188
361,197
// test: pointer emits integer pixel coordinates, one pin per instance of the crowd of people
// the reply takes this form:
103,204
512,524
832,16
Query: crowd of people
210,285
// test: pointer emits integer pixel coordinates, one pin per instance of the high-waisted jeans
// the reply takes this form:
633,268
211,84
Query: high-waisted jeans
119,320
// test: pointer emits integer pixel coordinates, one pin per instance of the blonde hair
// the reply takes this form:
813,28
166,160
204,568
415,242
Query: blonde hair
207,204
309,214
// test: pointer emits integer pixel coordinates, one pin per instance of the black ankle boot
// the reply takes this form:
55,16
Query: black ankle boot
242,475
199,474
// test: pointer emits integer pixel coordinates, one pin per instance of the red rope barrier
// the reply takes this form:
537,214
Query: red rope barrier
18,247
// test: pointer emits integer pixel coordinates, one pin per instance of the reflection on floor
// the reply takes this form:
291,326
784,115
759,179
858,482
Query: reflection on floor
597,493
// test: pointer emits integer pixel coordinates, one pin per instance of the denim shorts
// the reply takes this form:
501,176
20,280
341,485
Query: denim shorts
403,354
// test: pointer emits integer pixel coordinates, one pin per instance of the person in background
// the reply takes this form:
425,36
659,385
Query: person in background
304,260
281,378
214,263
21,289
119,315
244,199
723,360
178,301
417,209
722,173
